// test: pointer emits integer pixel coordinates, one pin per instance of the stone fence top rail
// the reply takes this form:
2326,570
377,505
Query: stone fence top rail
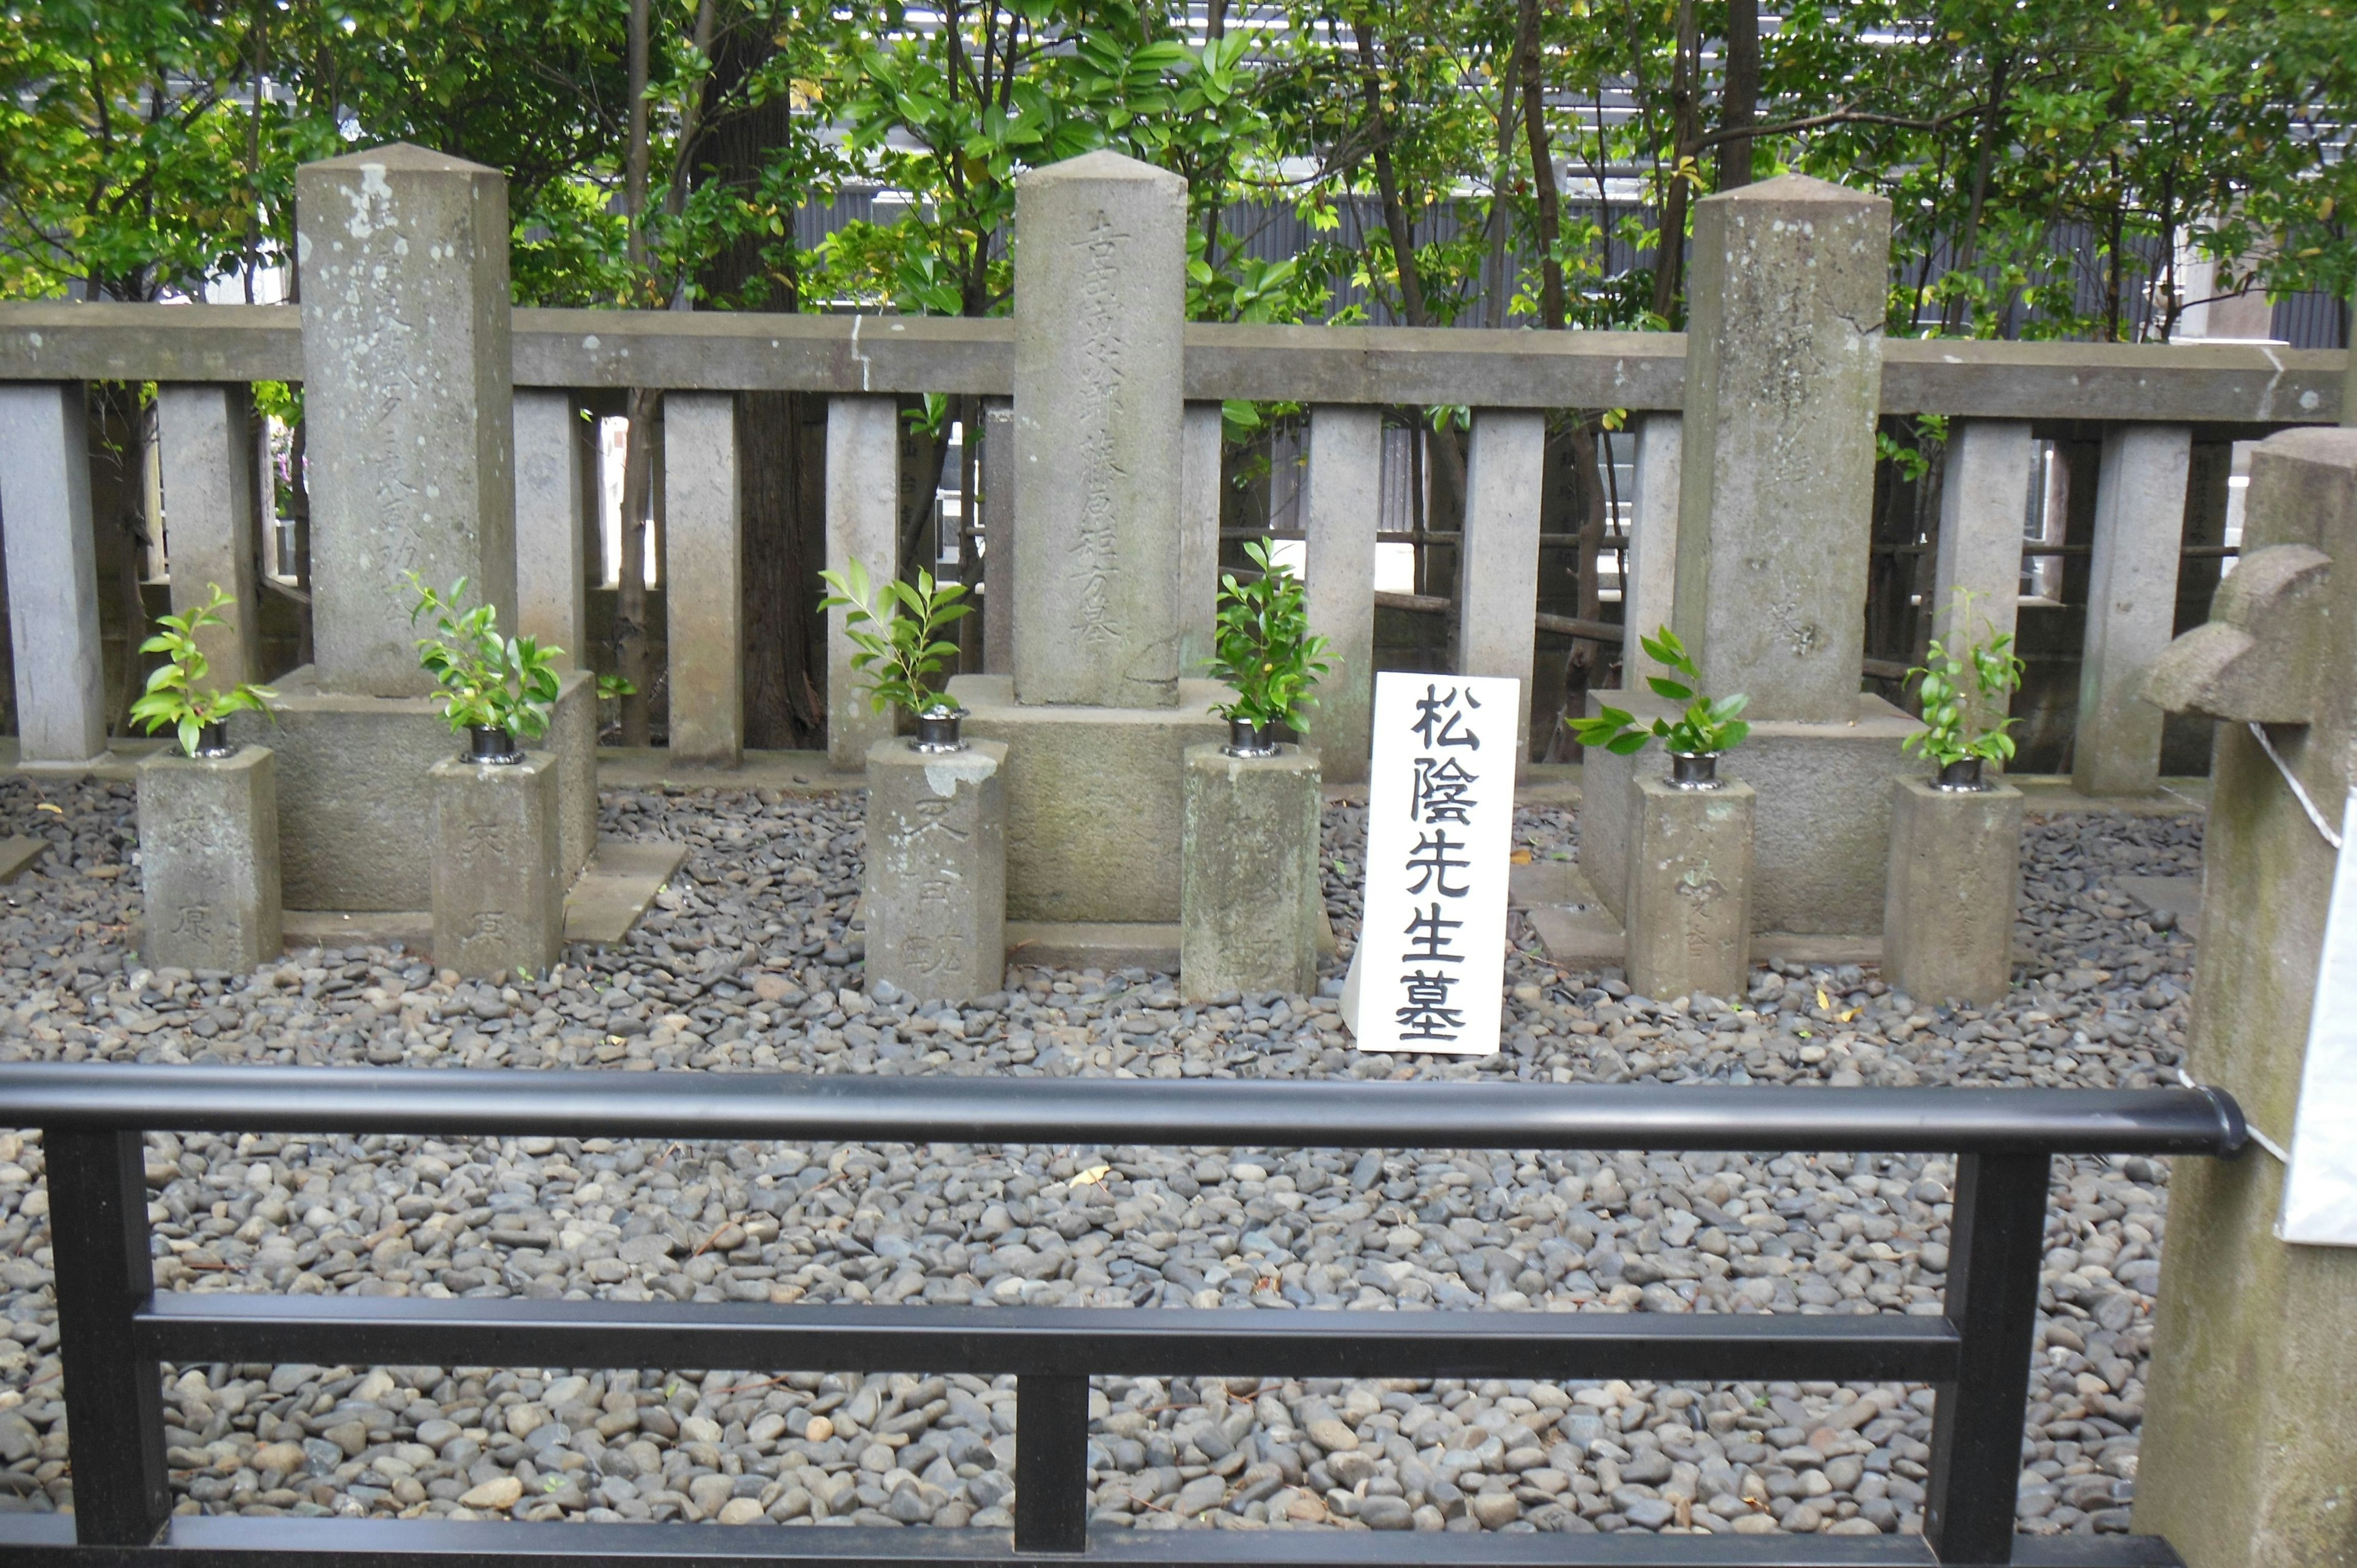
2225,383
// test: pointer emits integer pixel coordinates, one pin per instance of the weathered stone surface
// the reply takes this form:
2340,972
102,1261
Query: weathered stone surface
1198,536
573,736
1955,881
53,573
1689,889
499,901
1651,595
2248,1446
1099,308
1346,472
1983,500
208,860
1251,897
2260,657
1498,567
1094,796
407,400
1823,813
207,456
704,557
936,876
863,524
1784,363
998,541
2131,606
552,574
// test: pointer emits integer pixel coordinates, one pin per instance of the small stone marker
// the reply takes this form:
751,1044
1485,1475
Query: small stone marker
1955,877
1431,958
2319,1199
937,869
499,901
208,860
1690,888
1251,896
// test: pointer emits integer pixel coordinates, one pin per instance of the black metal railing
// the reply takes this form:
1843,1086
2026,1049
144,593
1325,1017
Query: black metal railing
115,1328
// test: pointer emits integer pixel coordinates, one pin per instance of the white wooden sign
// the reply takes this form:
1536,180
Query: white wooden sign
1431,958
2319,1201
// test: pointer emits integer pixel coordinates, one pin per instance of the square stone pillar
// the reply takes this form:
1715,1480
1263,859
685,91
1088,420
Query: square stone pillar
998,537
936,879
1199,536
1346,474
1689,890
863,524
499,899
1776,488
1498,563
1955,879
1984,510
1100,310
208,861
2131,606
202,431
408,401
52,572
1251,895
551,576
704,563
1649,598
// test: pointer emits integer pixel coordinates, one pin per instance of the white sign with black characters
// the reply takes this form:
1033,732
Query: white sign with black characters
2319,1200
1431,959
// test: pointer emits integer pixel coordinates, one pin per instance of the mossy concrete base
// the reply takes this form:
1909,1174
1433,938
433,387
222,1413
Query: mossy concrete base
498,898
1689,891
1252,896
936,876
1956,879
208,861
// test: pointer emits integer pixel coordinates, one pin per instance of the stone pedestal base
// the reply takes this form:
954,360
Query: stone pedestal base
1823,813
353,792
1251,894
1094,796
1689,889
1956,877
937,869
208,861
498,897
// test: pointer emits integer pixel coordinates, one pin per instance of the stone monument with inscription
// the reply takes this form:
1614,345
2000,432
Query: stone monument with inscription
208,860
936,869
407,405
498,897
1097,715
1783,379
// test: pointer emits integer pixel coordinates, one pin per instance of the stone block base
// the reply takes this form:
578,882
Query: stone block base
498,897
1689,889
353,793
1954,879
1094,800
208,861
1251,896
936,876
1823,821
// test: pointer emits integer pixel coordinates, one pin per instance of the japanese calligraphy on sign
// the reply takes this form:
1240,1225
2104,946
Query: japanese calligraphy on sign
1440,812
2319,1197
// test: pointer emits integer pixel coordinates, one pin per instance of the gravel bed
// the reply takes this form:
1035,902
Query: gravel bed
750,963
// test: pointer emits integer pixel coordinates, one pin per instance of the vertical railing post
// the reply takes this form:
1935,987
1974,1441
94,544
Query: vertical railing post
209,516
1346,476
114,1407
1498,563
863,522
998,537
1996,1244
704,578
552,581
2131,606
1051,1462
52,572
1200,468
1648,597
1984,512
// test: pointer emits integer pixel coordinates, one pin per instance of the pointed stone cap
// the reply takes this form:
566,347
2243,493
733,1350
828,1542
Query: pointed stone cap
1101,167
403,157
1789,190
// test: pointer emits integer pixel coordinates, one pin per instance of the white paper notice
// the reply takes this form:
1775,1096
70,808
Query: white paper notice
2319,1201
1440,817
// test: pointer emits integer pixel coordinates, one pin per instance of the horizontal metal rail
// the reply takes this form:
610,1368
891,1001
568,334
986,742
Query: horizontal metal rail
116,1329
1323,1114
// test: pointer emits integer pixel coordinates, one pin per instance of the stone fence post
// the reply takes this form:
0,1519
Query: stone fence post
2131,606
52,572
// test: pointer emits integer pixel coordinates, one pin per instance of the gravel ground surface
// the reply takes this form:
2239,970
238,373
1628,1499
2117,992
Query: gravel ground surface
750,964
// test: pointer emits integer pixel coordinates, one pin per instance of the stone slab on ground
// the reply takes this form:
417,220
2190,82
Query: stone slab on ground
2179,896
1094,945
617,887
18,853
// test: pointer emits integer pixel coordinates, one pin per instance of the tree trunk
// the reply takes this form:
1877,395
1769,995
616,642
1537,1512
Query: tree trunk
1739,94
1669,256
1550,204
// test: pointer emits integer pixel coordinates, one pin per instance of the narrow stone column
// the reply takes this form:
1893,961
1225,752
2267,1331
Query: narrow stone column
1346,473
1498,565
2131,606
1955,877
208,861
552,579
998,538
936,881
703,586
1647,600
499,901
408,401
52,572
863,524
209,516
1689,895
1984,508
1198,536
1100,311
1250,896
1776,491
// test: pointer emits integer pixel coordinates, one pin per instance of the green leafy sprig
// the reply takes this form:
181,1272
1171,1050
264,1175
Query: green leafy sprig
1707,726
176,694
1962,687
1263,648
896,628
488,682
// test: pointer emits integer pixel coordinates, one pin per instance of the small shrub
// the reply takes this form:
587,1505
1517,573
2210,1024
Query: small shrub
488,682
1707,726
1961,687
176,695
896,628
1264,651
